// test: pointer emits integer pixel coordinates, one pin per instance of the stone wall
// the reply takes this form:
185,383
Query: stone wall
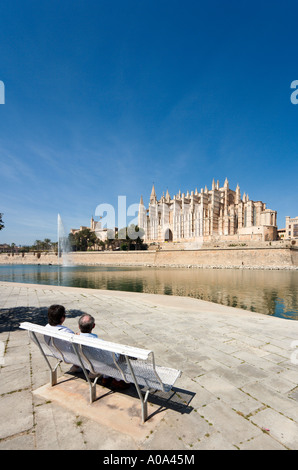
272,258
29,258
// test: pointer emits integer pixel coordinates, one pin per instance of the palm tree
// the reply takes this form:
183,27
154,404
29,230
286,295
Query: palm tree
37,244
47,244
1,222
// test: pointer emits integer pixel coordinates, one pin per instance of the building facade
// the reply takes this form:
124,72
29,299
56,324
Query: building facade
291,231
95,226
218,214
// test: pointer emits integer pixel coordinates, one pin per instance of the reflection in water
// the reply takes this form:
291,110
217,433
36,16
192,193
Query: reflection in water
269,292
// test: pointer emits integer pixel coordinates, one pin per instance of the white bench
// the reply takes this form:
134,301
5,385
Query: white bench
133,365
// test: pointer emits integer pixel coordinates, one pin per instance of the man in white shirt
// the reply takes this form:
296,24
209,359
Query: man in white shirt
86,325
56,318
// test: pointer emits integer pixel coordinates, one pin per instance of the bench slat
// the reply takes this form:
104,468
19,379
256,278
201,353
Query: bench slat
131,351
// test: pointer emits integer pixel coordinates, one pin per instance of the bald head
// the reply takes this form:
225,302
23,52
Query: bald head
86,323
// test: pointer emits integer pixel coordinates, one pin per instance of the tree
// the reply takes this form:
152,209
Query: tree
83,239
37,245
73,242
47,244
132,238
1,222
44,245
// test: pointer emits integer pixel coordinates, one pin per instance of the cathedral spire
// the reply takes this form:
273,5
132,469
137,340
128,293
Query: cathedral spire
168,197
153,195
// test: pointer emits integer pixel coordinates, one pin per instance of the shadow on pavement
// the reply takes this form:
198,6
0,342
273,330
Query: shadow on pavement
177,399
10,318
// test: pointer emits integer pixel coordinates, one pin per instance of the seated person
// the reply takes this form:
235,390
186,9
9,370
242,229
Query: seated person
56,318
86,325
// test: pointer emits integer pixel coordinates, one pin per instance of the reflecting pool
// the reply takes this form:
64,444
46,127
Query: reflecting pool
270,292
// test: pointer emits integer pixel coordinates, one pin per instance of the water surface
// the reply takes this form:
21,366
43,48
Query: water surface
270,292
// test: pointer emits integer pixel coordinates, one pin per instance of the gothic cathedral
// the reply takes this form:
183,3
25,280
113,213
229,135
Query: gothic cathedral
216,215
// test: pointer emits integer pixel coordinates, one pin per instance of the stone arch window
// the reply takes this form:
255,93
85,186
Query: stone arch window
168,235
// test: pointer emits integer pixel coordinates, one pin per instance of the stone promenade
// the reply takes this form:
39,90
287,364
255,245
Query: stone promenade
238,389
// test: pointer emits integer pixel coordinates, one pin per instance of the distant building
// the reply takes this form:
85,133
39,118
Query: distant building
281,233
95,226
101,233
291,230
218,214
5,247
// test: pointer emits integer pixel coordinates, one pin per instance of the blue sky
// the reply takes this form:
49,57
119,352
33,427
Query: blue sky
104,98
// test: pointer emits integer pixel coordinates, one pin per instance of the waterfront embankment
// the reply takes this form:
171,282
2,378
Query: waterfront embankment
268,257
238,388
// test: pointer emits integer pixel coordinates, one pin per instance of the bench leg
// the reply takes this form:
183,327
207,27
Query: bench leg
92,386
54,376
53,372
143,398
144,401
92,392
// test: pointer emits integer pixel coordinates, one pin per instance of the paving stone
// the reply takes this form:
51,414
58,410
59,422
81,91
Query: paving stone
281,428
16,413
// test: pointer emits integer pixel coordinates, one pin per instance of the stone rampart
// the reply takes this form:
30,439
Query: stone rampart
258,258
